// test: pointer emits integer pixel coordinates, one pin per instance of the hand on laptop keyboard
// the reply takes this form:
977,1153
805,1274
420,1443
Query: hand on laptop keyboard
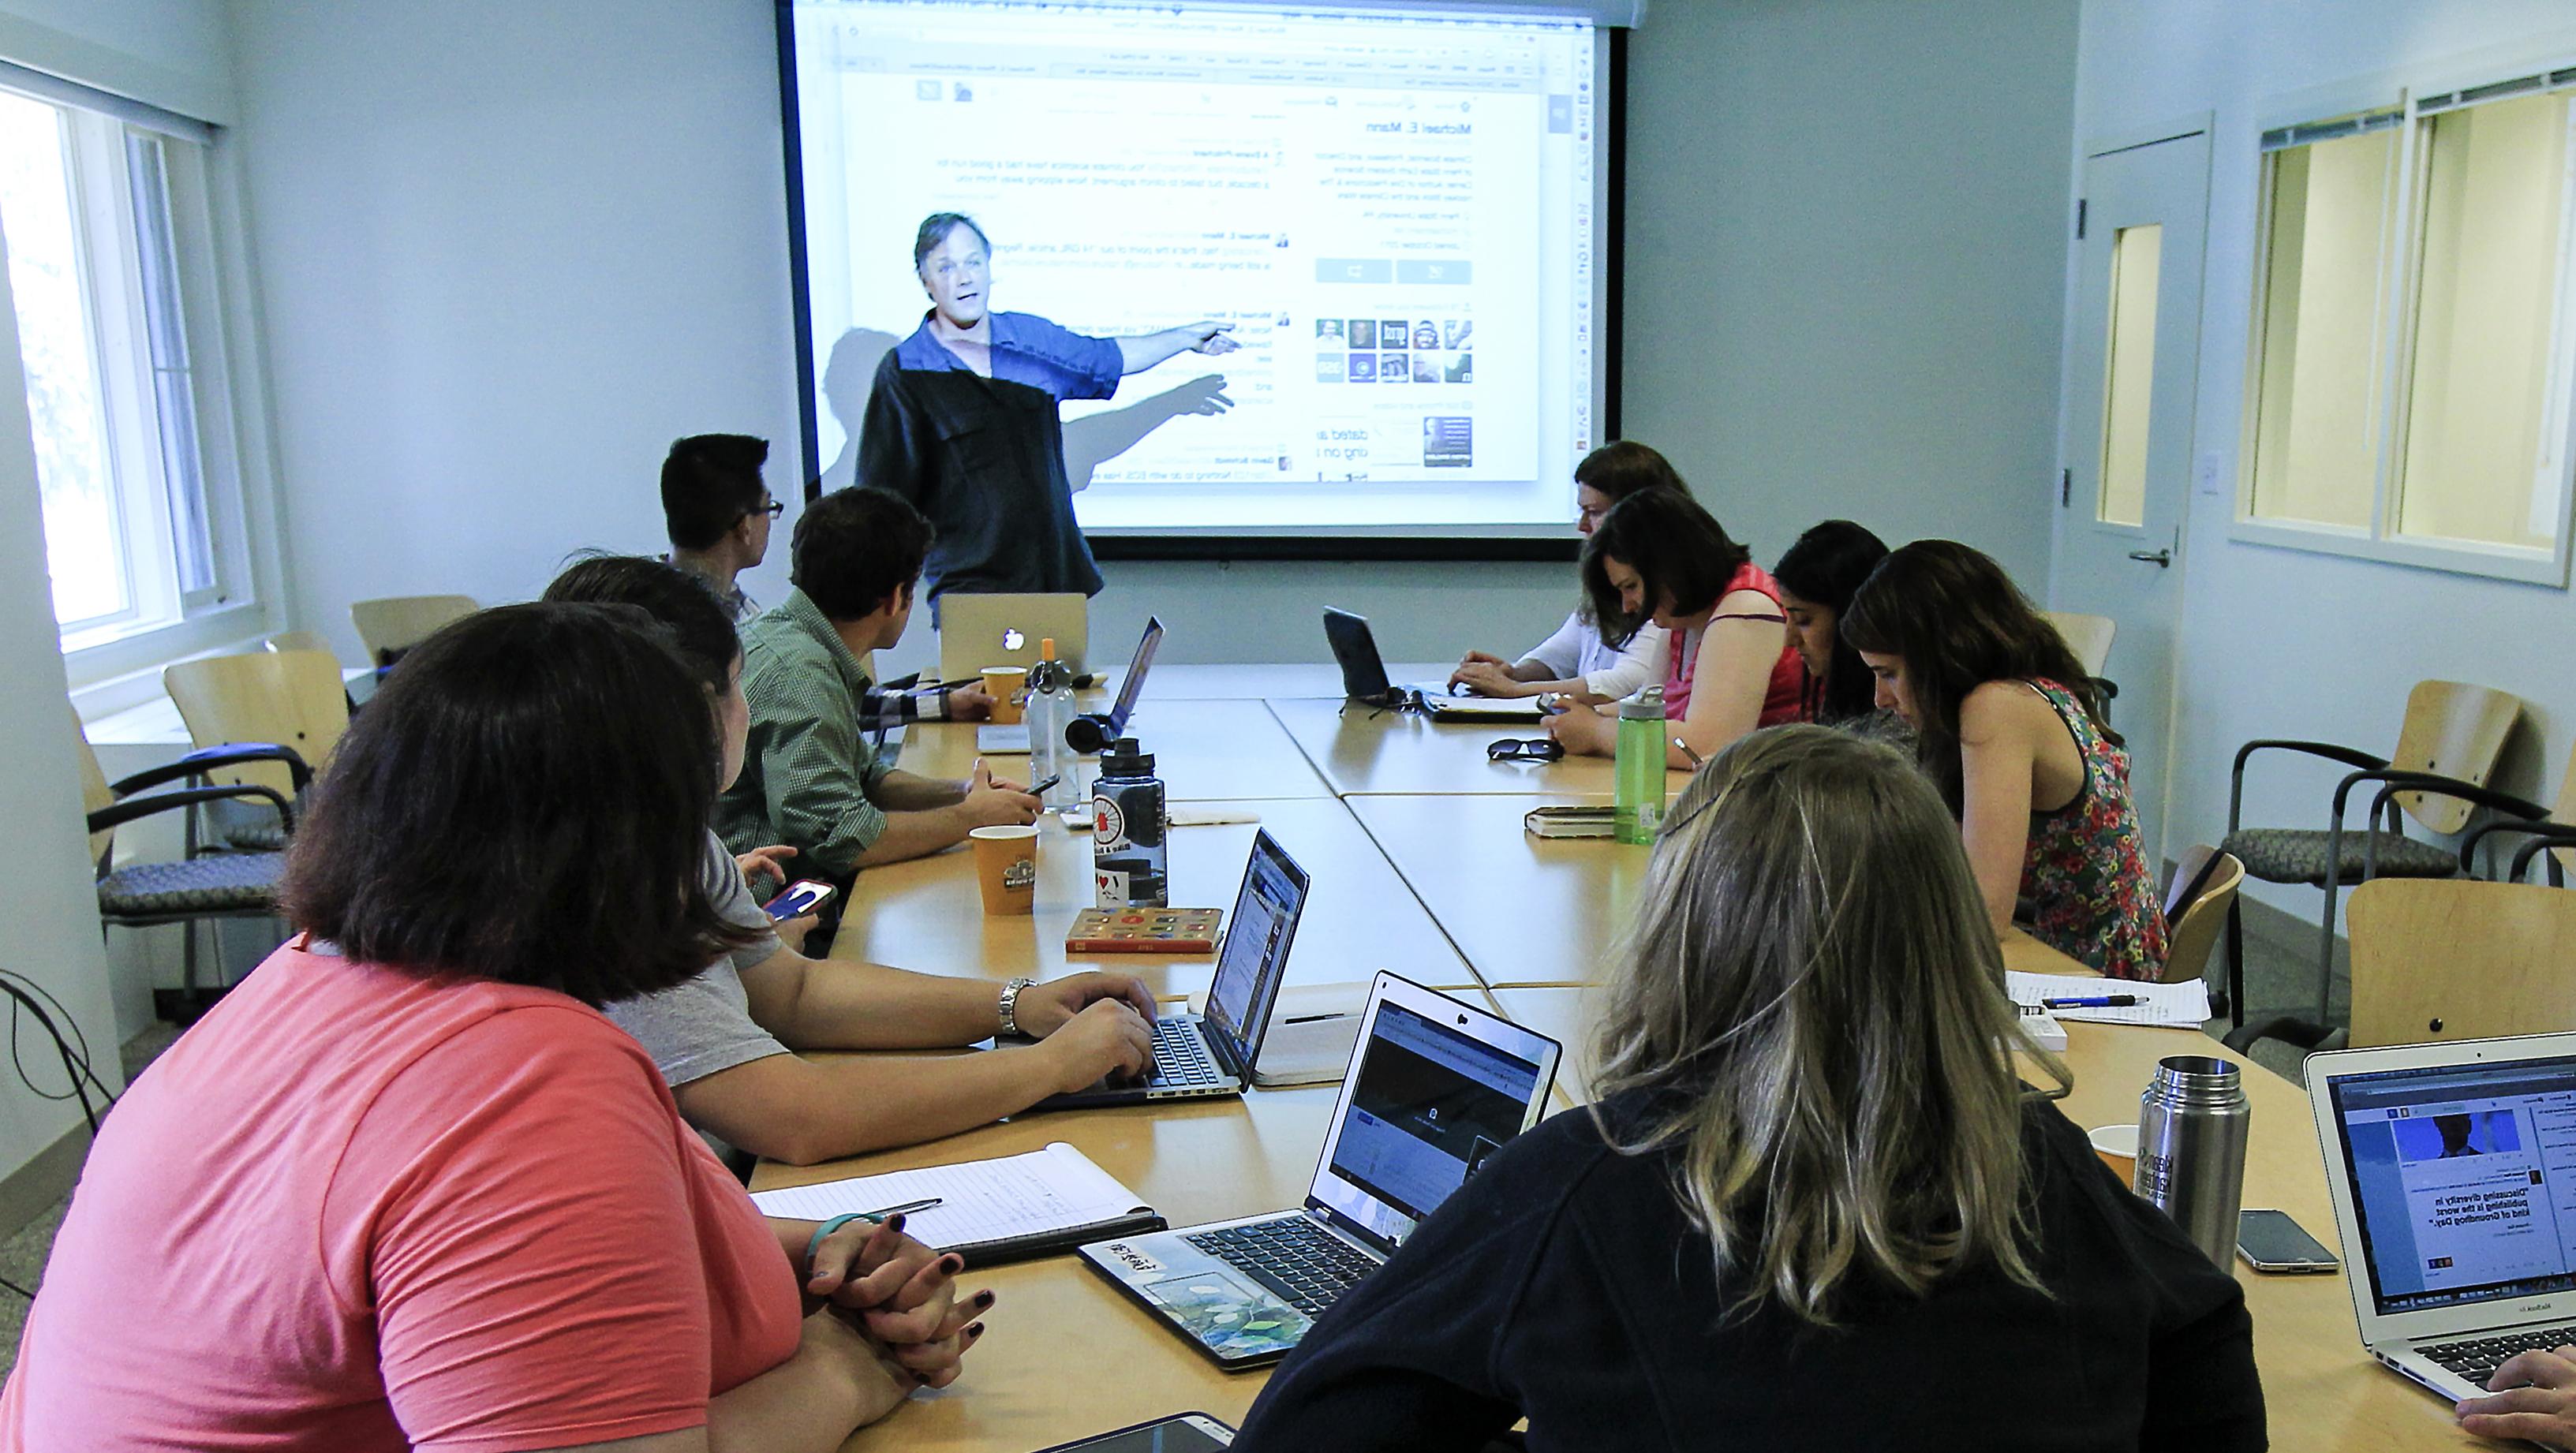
1106,1040
2539,1401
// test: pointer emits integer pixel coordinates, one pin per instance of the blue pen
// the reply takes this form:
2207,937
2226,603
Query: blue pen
2098,1001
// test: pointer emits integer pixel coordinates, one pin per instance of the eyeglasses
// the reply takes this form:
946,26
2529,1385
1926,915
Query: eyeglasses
1526,749
773,509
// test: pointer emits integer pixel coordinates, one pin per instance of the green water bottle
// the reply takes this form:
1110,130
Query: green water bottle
1638,767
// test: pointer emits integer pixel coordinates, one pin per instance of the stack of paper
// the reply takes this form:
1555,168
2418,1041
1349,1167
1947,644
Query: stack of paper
989,1211
2175,1006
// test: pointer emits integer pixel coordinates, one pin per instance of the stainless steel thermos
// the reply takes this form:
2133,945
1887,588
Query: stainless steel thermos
2191,1149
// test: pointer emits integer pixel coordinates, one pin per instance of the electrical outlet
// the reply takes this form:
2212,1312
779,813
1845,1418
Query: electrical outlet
2205,474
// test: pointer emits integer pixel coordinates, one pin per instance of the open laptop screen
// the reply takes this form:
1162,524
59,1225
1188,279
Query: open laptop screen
2463,1180
1128,689
1252,960
1427,1104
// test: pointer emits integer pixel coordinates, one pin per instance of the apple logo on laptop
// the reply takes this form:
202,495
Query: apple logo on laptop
1012,640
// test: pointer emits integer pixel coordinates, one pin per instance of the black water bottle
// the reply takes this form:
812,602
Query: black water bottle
1128,830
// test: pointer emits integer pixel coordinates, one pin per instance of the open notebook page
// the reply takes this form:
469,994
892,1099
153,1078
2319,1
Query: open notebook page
982,1202
2176,1006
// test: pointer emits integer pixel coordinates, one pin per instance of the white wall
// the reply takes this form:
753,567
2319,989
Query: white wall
510,251
2285,643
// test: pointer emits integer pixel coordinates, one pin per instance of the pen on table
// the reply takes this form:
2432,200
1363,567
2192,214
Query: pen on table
906,1209
1696,760
2093,1001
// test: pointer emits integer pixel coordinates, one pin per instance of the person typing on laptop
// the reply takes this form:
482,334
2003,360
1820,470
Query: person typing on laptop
1812,1209
728,1040
810,780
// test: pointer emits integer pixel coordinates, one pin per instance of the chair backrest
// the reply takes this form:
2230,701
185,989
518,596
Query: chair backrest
293,698
2459,958
300,641
2204,884
2089,637
396,623
95,793
2457,730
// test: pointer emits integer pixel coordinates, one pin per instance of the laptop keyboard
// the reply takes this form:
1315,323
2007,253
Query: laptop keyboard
1181,1057
2478,1358
1307,1266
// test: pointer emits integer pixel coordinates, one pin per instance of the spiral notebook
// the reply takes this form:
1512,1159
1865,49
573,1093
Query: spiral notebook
992,1212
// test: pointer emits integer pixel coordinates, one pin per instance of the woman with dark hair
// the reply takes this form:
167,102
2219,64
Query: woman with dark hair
410,1187
1817,576
1813,1206
2011,731
1576,662
1658,558
728,1039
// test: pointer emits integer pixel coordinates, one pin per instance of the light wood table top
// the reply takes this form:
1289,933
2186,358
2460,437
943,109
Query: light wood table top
1205,751
1206,681
1367,750
928,914
1524,910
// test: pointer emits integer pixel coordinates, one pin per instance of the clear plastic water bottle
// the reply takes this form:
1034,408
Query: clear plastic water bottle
1050,709
1637,768
1128,862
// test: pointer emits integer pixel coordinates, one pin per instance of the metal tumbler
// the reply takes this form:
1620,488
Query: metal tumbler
2191,1149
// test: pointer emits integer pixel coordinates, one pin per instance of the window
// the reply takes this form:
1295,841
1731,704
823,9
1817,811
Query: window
2409,391
108,237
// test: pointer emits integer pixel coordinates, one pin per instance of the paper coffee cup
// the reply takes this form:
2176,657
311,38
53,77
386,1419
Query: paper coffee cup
1009,688
1006,867
2118,1147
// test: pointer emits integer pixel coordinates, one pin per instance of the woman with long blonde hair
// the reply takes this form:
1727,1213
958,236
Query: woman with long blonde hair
1814,1207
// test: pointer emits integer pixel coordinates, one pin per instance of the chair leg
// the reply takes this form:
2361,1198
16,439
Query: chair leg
2235,965
2325,959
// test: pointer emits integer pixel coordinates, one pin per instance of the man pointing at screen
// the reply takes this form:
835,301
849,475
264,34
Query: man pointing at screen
962,421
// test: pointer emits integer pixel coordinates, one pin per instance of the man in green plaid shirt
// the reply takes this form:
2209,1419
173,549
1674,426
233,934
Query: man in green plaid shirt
810,778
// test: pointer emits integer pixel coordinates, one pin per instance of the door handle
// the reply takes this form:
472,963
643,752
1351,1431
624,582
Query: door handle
2161,559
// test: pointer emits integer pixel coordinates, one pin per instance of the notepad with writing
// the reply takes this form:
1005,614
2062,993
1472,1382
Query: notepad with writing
1013,1208
2173,1006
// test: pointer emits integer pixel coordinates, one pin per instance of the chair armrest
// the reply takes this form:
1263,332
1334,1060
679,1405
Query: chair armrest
2288,1028
230,754
2480,833
2349,756
146,804
2544,836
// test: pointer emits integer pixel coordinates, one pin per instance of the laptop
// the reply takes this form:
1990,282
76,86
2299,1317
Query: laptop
994,740
1199,1057
976,631
1435,1088
1364,680
2453,1171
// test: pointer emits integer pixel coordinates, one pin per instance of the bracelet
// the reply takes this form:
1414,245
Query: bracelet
815,1243
1011,1007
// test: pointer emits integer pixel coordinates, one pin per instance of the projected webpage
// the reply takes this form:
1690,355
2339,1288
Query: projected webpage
2465,1181
1395,213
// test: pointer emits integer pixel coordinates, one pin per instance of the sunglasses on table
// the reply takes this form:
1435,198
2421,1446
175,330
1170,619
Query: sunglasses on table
1526,749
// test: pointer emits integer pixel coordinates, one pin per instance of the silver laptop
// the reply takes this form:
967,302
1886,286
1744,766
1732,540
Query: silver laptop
1199,1057
2453,1170
976,631
1013,739
1364,680
1435,1087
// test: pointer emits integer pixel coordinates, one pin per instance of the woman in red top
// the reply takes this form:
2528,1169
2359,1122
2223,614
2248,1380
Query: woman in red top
406,1187
1658,556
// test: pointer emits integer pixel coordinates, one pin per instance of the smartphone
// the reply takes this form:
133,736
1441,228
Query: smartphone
1179,1433
801,898
2271,1241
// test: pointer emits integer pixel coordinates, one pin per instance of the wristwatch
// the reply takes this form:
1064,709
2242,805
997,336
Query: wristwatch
1011,1007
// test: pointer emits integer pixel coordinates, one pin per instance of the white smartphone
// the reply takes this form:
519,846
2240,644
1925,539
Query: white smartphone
1179,1433
2271,1241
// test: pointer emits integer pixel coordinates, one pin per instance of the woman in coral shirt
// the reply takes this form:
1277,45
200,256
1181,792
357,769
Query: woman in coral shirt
406,1187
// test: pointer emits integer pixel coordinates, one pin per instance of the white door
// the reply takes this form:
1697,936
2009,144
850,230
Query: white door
2133,348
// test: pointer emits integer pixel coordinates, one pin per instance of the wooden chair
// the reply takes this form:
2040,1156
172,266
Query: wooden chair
394,624
2196,907
2443,960
196,886
299,641
2449,740
2089,637
289,699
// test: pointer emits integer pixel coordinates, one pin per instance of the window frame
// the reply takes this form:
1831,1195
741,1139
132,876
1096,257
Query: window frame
2400,284
112,669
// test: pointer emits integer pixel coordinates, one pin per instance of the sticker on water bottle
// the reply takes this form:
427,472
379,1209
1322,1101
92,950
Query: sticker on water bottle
1108,824
1110,885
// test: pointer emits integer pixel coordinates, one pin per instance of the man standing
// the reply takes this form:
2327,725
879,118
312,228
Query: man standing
809,778
718,513
963,421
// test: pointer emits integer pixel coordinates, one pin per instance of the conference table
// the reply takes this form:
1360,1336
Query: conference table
1421,866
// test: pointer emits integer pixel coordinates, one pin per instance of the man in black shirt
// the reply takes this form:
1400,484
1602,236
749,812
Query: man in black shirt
962,421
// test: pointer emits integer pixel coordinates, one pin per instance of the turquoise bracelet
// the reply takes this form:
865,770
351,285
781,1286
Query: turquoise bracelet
826,1229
